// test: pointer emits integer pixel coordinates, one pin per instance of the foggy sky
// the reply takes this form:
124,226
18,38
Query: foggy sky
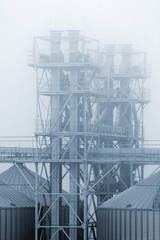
111,21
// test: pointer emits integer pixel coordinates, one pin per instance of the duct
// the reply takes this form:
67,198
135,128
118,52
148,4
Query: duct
55,47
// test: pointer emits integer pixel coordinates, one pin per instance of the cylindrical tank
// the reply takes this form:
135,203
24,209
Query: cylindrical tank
124,224
133,214
16,215
14,179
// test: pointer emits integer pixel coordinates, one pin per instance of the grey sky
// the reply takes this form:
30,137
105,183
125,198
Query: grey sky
111,21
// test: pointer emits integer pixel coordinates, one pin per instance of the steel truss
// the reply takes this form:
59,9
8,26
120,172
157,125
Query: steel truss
89,115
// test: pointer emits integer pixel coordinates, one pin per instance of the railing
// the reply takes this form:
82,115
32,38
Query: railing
92,57
106,130
43,126
23,149
18,141
136,71
29,142
136,94
49,127
140,94
46,127
17,148
45,87
144,155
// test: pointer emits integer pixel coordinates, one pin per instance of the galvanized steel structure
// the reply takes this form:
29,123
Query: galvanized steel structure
89,101
22,179
89,128
16,214
133,214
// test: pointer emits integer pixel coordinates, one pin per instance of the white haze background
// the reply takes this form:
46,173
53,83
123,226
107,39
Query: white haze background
111,21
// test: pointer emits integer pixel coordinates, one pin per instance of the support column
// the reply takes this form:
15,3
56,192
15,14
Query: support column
85,194
142,172
131,174
74,167
36,200
55,167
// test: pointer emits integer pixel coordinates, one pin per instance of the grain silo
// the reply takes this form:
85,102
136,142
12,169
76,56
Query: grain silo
133,214
22,179
16,215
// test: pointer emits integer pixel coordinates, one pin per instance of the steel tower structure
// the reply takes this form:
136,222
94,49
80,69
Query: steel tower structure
89,116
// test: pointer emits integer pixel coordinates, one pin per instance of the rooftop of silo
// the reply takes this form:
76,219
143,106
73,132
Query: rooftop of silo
140,196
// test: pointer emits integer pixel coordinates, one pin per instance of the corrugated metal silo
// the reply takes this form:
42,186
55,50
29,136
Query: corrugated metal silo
16,178
16,215
133,214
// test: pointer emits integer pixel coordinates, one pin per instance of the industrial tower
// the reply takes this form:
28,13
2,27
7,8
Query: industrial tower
90,104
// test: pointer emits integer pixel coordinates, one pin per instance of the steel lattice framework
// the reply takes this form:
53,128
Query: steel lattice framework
89,102
89,130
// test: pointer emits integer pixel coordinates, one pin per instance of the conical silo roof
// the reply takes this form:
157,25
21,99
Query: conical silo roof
17,180
10,198
140,196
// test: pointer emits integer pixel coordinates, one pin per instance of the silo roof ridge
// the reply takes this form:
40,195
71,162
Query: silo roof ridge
13,178
9,198
139,196
153,179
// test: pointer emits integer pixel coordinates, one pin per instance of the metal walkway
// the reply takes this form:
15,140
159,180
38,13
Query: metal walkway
147,155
